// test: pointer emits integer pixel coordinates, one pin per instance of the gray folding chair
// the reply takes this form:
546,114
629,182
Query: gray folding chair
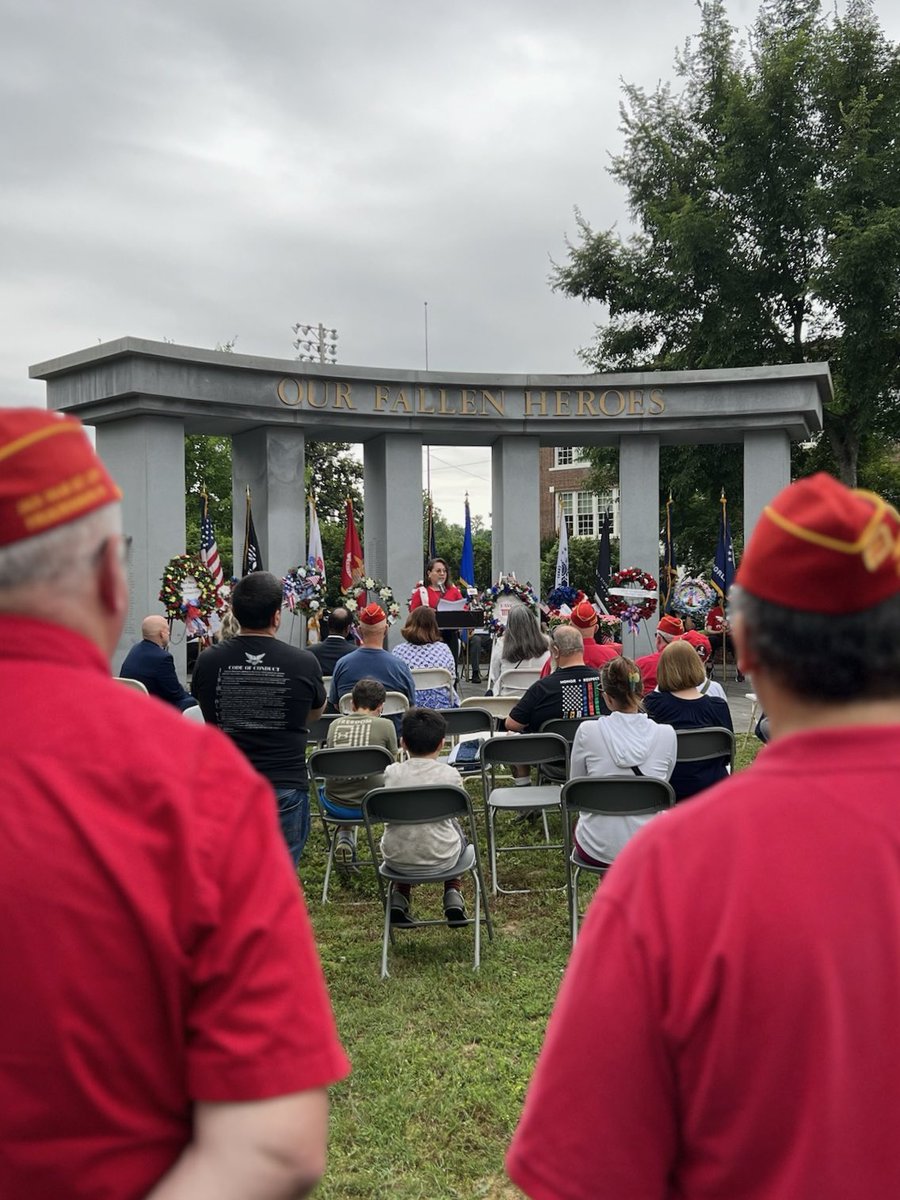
523,749
637,796
419,806
317,731
566,727
468,724
394,702
350,762
699,745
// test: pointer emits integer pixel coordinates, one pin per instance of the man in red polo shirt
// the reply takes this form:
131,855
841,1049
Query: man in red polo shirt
165,1028
727,1026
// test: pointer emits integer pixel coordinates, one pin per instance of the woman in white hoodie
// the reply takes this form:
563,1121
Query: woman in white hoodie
625,743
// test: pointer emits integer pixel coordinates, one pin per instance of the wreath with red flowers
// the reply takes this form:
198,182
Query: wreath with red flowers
639,609
171,594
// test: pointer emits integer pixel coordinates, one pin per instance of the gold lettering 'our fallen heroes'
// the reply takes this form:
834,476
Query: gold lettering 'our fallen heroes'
471,402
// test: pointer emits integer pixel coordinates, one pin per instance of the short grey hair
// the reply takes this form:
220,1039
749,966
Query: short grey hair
61,555
567,640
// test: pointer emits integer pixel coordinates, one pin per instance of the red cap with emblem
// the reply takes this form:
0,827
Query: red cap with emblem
372,614
825,548
49,473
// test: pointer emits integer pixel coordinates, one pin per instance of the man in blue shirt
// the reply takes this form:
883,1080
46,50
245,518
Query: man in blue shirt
150,663
371,661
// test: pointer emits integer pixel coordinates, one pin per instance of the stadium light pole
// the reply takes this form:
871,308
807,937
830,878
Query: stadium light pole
315,343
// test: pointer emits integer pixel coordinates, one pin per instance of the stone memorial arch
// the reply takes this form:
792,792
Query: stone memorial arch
144,396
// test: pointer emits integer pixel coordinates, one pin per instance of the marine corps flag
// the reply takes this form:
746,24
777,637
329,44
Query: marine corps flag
353,568
252,560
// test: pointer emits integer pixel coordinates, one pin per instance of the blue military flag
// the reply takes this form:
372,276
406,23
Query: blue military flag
467,559
723,567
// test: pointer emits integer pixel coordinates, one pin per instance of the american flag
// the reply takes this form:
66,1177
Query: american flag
209,551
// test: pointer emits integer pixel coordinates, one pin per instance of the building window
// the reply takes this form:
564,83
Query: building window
569,456
584,511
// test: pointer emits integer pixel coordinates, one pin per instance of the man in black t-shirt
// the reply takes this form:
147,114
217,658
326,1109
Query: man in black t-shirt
571,690
263,694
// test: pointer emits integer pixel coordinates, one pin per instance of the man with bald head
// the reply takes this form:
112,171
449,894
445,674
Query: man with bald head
150,663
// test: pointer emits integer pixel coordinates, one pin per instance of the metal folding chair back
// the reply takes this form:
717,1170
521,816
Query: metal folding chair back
474,722
134,684
524,749
420,806
432,678
394,702
699,745
566,727
637,796
516,681
498,706
317,732
344,762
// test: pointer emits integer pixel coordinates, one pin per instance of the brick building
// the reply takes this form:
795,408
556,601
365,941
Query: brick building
563,472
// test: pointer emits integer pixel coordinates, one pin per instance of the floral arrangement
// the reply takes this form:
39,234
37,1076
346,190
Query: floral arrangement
195,611
304,590
567,596
632,612
693,598
508,586
383,594
610,628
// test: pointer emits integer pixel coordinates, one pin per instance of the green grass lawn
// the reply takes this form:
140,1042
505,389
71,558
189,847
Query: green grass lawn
441,1054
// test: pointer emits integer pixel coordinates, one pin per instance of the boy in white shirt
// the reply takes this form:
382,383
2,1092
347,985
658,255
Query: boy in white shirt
433,847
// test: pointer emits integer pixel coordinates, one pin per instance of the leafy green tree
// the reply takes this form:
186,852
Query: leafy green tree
334,475
765,197
207,465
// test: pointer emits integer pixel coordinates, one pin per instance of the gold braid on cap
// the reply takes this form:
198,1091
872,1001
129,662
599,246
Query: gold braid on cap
875,544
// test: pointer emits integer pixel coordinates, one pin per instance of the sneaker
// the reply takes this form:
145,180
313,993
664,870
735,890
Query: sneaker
345,847
454,907
400,914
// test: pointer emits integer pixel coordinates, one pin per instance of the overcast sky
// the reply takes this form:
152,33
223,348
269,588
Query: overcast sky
195,170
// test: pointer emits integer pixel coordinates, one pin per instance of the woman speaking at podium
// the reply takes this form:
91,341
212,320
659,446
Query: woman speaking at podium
436,587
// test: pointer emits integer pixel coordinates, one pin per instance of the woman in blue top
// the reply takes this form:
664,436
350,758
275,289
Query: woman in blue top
423,648
680,703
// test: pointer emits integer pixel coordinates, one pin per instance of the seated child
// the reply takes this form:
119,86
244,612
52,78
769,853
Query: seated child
364,726
430,848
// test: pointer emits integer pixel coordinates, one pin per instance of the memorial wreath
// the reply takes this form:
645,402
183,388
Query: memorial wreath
384,594
508,586
178,607
641,608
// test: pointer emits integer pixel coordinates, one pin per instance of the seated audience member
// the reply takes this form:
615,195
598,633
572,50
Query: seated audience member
626,743
435,846
572,690
337,644
364,726
669,629
150,663
719,633
700,642
680,703
520,647
371,661
423,648
585,619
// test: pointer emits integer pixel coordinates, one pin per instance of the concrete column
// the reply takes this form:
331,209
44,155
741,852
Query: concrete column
145,455
515,509
393,541
767,469
271,461
639,502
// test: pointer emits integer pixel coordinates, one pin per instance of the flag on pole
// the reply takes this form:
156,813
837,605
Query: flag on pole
467,558
562,554
252,560
352,565
670,570
723,567
315,556
209,551
432,545
604,562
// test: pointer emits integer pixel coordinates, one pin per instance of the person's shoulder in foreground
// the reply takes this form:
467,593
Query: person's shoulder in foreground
729,998
156,1015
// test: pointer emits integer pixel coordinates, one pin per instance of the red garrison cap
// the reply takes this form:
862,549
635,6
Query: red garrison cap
49,473
700,642
673,626
372,614
822,547
584,615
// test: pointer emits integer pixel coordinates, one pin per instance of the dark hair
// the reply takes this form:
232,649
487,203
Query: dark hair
339,620
680,667
421,626
256,599
368,693
822,657
621,680
431,563
522,637
423,730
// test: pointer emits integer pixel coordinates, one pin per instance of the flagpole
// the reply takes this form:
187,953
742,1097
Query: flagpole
244,563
